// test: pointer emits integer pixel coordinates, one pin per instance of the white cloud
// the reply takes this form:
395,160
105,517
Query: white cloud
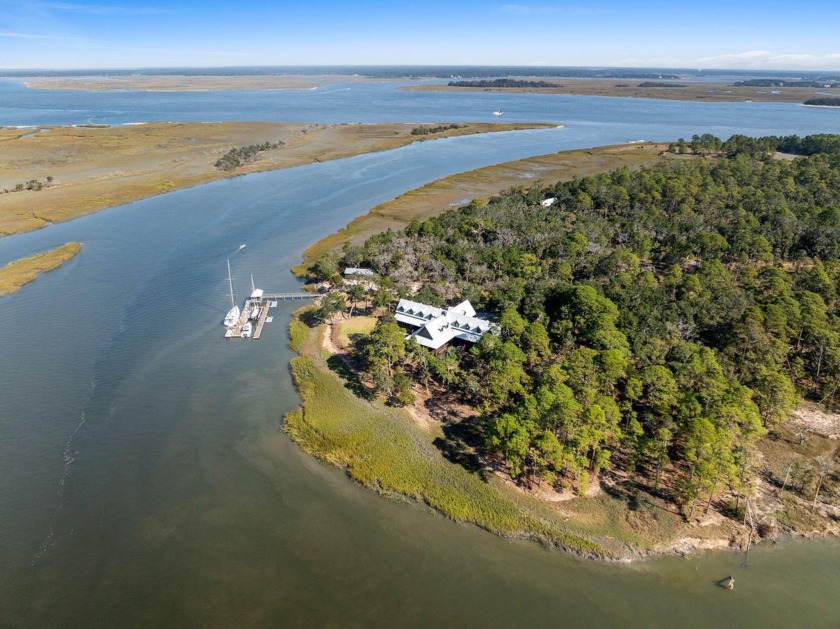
95,9
529,11
767,60
35,36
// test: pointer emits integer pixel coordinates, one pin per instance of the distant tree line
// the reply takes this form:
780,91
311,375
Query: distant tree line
427,130
238,156
708,144
661,84
496,83
819,82
824,102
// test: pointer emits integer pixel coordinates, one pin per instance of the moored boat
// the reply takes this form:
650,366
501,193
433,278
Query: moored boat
233,314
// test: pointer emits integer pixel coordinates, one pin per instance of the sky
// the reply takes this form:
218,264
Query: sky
768,35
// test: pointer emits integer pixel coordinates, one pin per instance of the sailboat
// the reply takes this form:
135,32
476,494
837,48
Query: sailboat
233,314
254,301
498,112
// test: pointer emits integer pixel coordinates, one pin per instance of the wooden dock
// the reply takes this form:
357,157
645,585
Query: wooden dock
264,308
291,296
265,302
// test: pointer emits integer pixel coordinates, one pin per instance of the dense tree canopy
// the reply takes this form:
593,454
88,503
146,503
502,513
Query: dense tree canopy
660,320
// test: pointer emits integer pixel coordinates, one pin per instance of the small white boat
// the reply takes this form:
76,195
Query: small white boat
498,112
247,328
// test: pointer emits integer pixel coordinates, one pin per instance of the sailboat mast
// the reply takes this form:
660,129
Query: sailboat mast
253,288
230,281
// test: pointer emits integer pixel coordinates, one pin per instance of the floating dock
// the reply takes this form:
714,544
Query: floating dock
255,312
254,316
262,316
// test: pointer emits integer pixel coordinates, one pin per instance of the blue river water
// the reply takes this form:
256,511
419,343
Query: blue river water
143,479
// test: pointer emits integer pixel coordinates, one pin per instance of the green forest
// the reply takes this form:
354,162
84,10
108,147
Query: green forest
828,81
824,102
654,322
496,83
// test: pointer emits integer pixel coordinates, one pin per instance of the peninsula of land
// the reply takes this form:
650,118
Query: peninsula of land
53,174
17,274
669,90
442,194
621,409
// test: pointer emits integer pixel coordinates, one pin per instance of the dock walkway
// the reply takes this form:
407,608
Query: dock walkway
263,302
261,320
291,296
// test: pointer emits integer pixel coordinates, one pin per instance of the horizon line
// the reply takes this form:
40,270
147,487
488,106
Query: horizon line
408,65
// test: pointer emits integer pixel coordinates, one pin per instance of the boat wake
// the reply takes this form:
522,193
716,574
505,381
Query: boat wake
333,91
69,456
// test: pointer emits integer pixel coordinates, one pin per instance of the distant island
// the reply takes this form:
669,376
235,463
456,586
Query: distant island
19,273
829,82
784,91
823,102
661,84
502,83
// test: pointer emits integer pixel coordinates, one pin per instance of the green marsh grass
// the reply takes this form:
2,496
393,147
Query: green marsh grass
383,448
17,274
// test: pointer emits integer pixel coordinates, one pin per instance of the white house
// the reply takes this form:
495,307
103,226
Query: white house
350,270
437,326
548,202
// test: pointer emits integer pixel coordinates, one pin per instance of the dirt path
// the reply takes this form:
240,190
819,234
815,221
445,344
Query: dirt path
817,420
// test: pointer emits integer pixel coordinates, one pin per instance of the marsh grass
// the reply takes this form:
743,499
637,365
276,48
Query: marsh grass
383,448
701,91
94,168
17,274
298,331
386,450
379,449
